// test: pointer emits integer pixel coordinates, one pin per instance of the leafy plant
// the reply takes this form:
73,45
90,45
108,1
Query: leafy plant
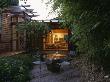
34,33
15,68
89,22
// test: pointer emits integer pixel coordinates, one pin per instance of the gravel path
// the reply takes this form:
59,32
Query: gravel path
43,75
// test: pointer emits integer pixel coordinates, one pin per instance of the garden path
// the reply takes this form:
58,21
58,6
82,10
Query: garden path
43,75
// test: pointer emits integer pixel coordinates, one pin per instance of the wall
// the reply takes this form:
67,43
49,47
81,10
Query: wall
5,44
11,40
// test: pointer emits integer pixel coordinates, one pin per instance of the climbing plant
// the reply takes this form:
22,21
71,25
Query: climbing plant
34,33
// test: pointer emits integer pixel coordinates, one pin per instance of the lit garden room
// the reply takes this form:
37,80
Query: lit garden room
56,39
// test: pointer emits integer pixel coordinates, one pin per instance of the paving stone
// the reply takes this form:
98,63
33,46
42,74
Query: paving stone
41,74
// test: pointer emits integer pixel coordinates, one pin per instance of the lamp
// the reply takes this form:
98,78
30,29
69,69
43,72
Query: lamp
50,31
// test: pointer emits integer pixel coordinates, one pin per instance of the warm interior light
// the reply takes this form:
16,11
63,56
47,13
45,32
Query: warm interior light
56,39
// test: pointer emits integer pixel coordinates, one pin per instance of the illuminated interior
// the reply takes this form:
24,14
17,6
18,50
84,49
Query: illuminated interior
56,39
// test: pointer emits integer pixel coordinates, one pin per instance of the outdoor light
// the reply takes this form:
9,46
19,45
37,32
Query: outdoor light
8,15
50,32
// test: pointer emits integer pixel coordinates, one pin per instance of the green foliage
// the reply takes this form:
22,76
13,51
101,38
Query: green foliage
34,33
7,3
31,25
89,21
15,68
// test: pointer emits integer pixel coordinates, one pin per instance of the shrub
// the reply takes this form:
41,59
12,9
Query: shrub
15,68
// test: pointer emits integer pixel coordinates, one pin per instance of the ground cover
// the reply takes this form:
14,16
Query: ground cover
16,68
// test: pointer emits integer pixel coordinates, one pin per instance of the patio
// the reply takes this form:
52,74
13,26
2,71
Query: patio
41,74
